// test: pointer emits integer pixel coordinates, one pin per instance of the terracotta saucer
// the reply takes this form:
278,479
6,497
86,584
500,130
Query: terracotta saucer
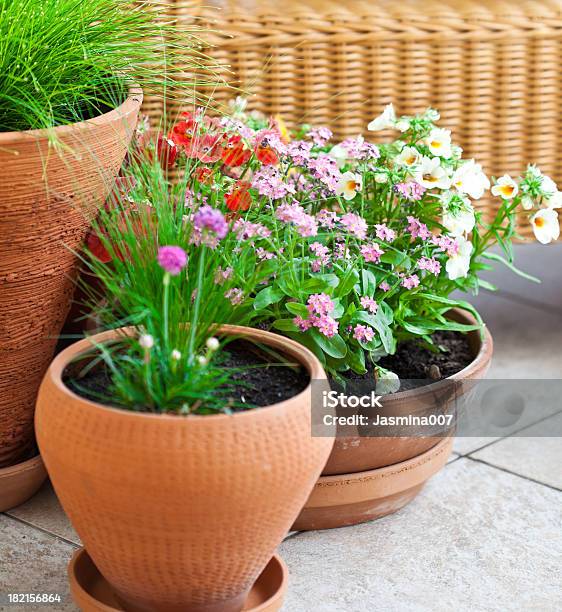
349,499
92,593
20,482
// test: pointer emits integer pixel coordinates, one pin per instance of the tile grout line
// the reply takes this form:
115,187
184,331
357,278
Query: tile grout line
511,435
507,471
42,530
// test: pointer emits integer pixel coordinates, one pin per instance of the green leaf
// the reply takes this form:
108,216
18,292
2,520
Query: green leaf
297,309
331,280
267,296
380,326
284,325
505,262
334,346
396,259
347,283
369,282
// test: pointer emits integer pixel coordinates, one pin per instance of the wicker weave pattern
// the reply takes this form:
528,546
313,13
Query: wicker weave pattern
490,67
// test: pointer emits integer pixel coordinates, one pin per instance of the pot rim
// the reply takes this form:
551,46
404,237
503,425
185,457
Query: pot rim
290,347
23,466
483,356
130,105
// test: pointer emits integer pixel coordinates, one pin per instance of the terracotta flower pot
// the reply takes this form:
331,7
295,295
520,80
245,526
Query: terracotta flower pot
47,199
180,513
356,484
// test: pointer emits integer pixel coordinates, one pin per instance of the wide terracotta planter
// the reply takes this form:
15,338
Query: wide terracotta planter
336,500
180,513
20,482
47,200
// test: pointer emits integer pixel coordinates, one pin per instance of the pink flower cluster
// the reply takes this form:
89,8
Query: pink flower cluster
325,169
208,219
355,225
369,304
172,259
320,308
410,282
384,233
358,148
299,152
430,264
371,252
410,191
294,213
269,183
326,218
418,229
363,333
447,244
322,252
245,230
320,135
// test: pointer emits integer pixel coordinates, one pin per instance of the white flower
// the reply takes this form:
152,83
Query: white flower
439,142
175,355
505,187
349,184
212,344
545,225
202,360
555,201
387,381
430,174
381,177
527,202
409,156
458,214
384,121
470,179
403,124
339,153
146,341
458,265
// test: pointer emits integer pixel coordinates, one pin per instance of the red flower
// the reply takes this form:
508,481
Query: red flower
205,148
168,152
182,133
97,248
239,198
203,174
265,153
235,153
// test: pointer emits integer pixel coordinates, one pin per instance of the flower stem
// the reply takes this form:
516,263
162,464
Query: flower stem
196,306
165,308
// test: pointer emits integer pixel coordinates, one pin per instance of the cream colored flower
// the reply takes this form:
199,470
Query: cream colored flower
384,121
146,341
555,201
470,179
439,142
403,124
458,265
458,214
349,184
505,187
527,202
545,225
409,156
339,153
430,174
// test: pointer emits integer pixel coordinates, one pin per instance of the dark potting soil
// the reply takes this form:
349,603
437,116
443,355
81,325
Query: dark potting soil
417,365
258,379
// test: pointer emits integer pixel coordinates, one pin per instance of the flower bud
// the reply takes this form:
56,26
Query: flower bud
212,344
146,341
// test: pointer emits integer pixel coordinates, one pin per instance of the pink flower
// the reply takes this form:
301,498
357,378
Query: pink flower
418,229
371,252
410,282
320,135
341,251
363,333
429,264
320,304
358,148
222,275
384,286
235,295
447,244
264,255
326,218
302,324
410,191
269,183
299,151
294,213
172,259
322,252
384,233
369,304
210,219
327,326
325,168
245,230
355,225
306,226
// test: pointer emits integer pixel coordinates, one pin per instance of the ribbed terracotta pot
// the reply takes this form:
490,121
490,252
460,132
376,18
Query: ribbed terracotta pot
369,477
47,199
180,513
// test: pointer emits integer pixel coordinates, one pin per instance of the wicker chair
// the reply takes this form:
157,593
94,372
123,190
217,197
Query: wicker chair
492,68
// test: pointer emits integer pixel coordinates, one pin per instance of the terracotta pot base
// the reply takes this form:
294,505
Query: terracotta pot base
20,482
92,593
350,499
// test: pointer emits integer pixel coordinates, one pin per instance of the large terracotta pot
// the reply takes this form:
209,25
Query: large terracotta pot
180,513
47,199
369,477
